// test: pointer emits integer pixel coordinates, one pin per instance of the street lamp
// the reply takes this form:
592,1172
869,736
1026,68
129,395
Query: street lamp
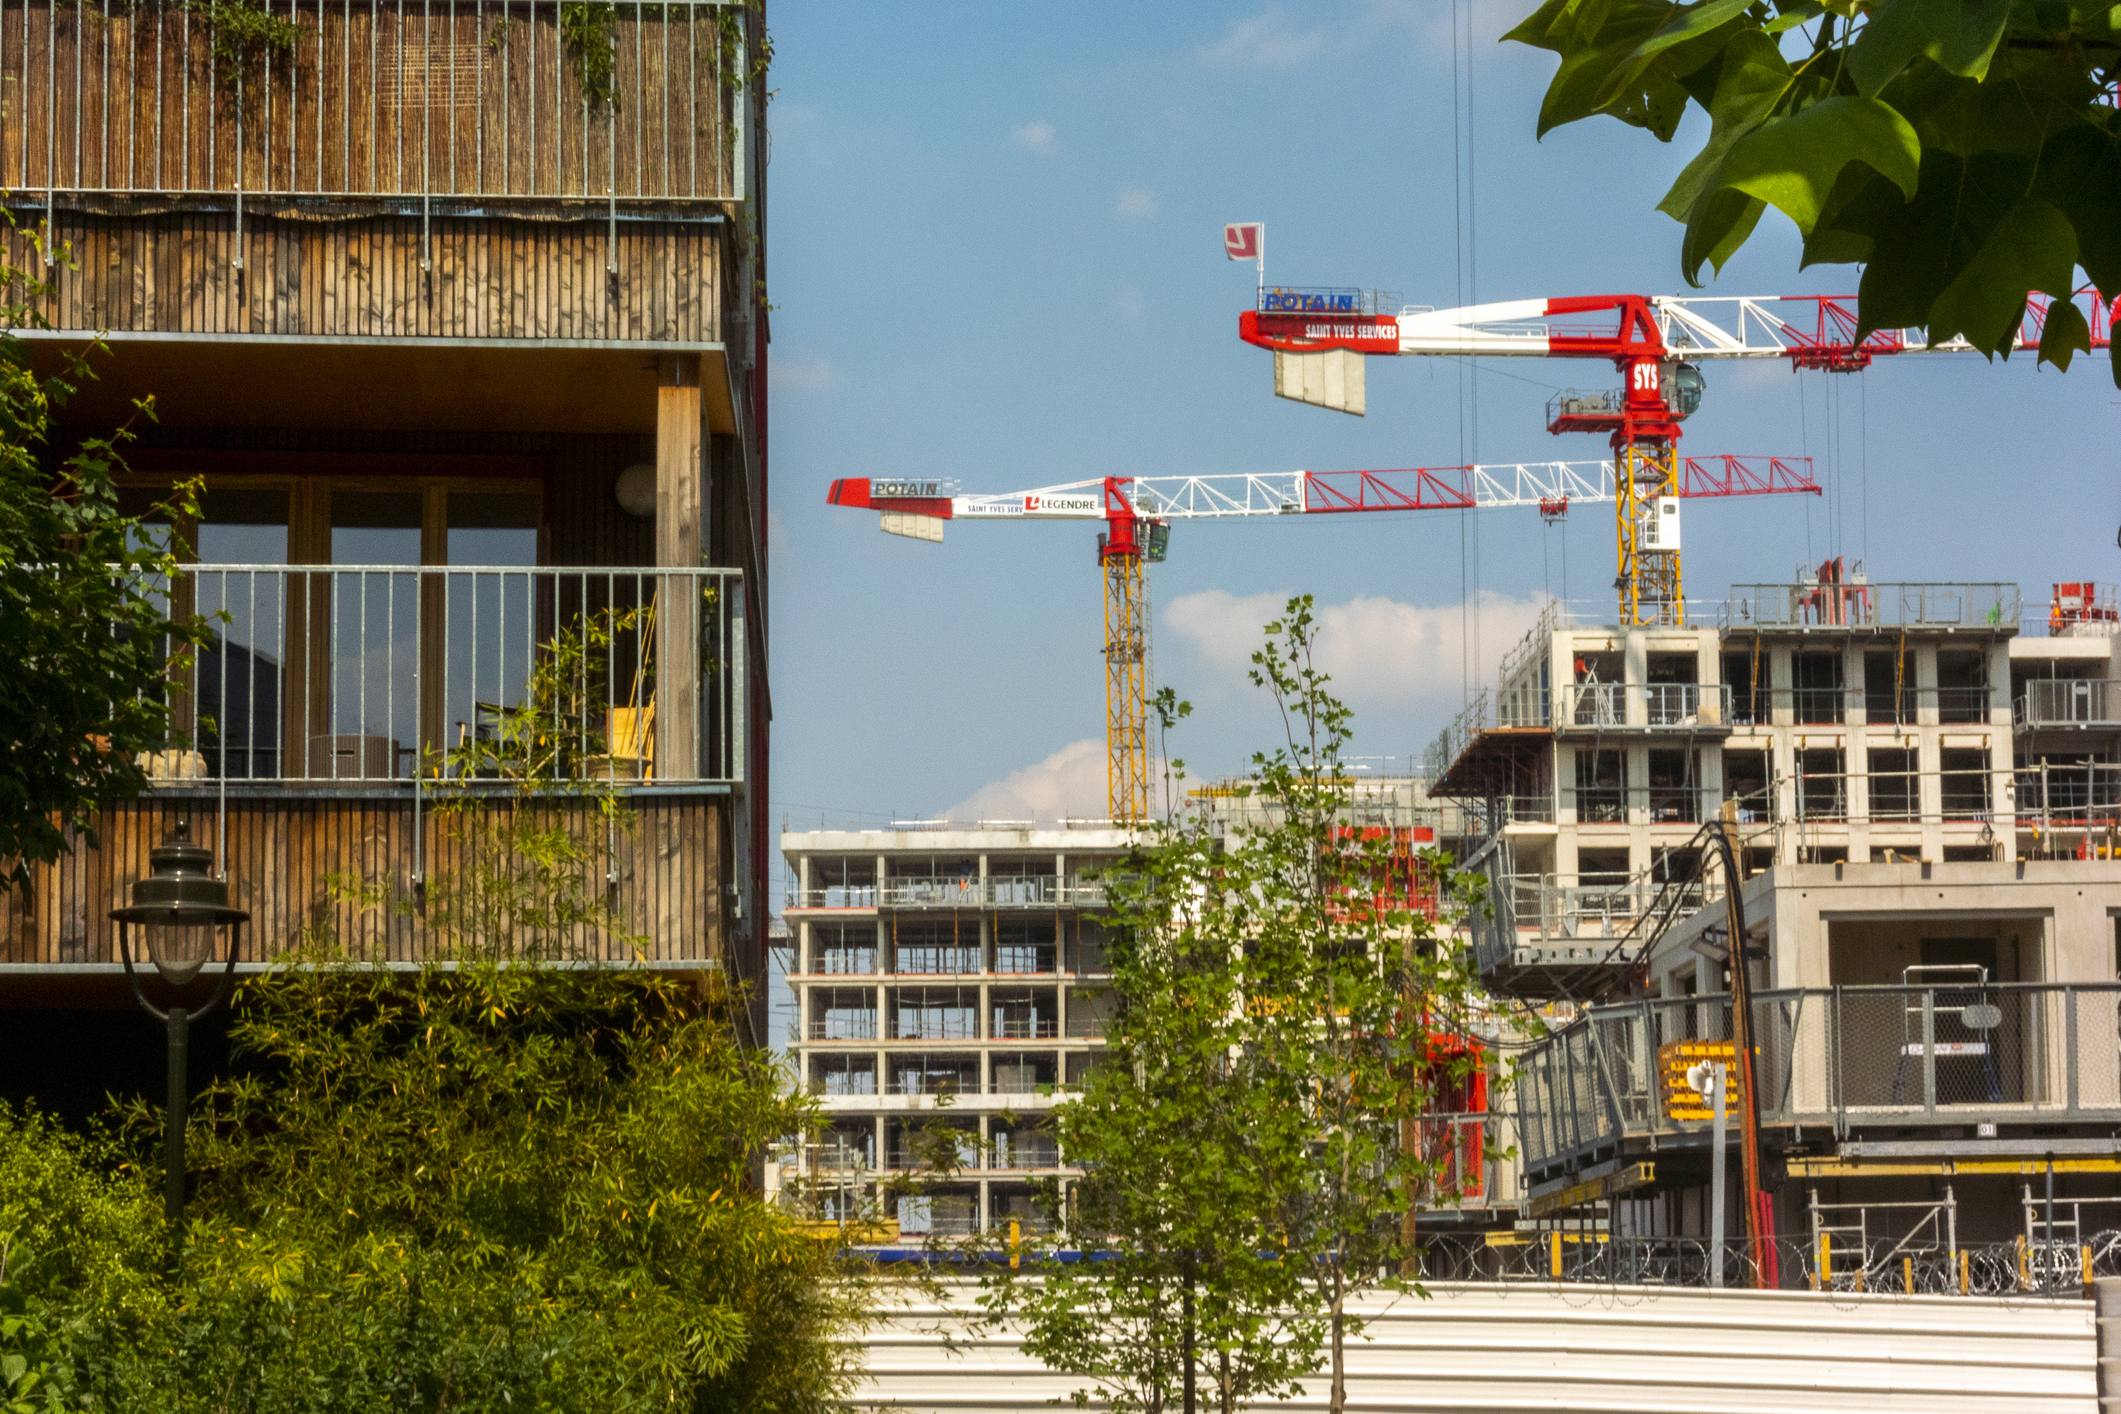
182,912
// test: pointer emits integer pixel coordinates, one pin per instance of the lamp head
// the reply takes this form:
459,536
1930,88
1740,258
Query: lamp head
180,906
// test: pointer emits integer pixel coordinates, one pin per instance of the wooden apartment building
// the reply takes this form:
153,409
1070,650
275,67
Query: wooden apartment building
455,306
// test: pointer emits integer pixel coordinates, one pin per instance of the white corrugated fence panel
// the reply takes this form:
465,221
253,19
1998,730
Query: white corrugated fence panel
1486,1347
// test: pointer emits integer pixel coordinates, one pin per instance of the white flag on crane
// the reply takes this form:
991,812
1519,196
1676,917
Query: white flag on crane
1246,241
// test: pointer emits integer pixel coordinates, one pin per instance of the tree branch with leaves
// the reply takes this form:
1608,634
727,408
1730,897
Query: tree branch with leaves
1966,153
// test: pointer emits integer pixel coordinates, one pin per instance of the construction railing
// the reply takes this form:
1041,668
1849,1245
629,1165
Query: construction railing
2060,1268
458,101
967,891
1903,1056
1614,706
2076,702
1862,605
372,675
1827,706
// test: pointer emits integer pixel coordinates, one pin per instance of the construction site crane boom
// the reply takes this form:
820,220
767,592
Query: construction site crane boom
1137,513
1319,336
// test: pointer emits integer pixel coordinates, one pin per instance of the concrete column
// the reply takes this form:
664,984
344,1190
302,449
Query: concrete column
1565,799
1855,706
1635,671
1925,656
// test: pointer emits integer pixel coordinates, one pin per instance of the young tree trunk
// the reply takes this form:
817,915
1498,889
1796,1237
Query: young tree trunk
1186,1342
1337,1401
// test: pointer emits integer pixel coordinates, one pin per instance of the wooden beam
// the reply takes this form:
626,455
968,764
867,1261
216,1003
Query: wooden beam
680,542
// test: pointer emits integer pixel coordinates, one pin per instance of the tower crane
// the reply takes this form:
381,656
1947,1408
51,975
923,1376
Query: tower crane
1655,343
1137,512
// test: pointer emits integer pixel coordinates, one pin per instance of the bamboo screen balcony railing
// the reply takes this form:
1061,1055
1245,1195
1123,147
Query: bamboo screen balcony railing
406,103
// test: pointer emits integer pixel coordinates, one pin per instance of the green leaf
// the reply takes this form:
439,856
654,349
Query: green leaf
1691,22
2080,172
1751,80
1721,225
1596,61
1960,35
1848,224
1793,164
1536,28
1922,246
1788,17
2031,248
2064,334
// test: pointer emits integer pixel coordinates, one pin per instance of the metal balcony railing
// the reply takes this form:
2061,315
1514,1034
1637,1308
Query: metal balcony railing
368,675
1035,891
855,1026
1872,605
834,896
1902,1056
1827,706
2079,702
1019,1152
1614,706
458,101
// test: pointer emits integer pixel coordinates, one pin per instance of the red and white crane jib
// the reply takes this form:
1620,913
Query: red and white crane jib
1124,499
1811,331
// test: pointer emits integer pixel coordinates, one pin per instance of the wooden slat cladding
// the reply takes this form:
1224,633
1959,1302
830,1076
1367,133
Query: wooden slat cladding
372,98
487,279
291,862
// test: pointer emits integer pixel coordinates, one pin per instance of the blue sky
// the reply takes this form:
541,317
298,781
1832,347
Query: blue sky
996,258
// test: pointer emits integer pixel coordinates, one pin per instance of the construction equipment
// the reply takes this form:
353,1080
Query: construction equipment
1654,341
1138,511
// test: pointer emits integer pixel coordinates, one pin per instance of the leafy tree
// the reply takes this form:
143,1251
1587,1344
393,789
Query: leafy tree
85,627
1246,1175
1966,152
522,1178
81,1252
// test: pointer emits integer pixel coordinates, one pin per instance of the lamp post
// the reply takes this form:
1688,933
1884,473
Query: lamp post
183,914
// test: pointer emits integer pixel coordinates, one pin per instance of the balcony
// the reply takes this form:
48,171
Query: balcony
1655,706
334,708
1543,937
2069,702
406,103
326,680
1842,1058
1847,606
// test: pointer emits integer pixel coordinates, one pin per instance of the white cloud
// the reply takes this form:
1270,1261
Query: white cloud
791,374
1036,136
1266,41
1380,653
776,530
1275,40
1070,782
1136,201
1130,303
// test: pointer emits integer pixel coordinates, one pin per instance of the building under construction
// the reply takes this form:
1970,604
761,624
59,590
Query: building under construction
948,988
1921,785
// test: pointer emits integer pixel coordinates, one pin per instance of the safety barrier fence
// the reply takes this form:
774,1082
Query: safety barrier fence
1838,1057
1567,1254
1853,605
1032,891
